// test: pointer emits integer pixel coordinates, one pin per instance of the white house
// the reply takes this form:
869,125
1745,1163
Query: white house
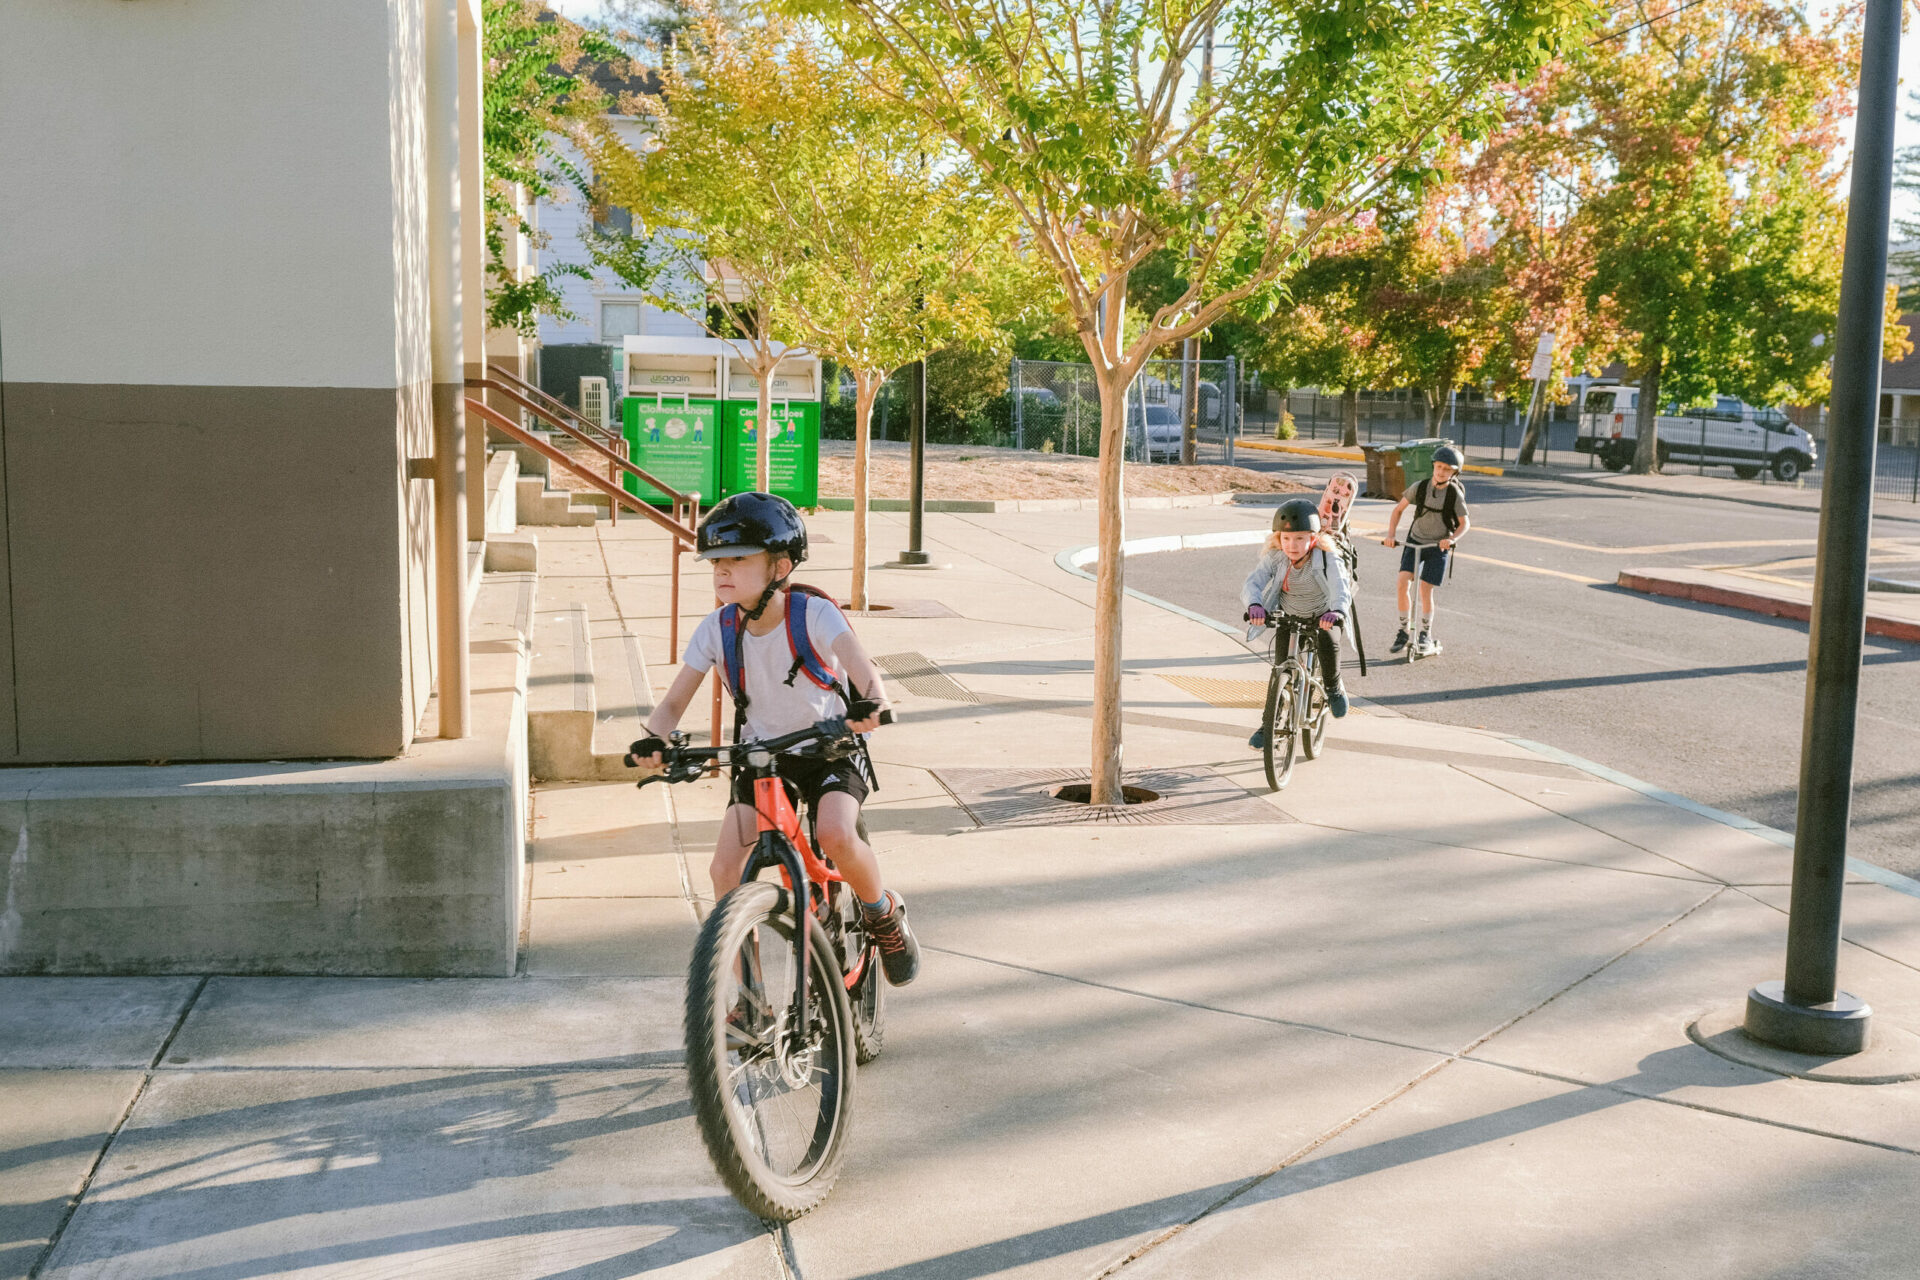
605,310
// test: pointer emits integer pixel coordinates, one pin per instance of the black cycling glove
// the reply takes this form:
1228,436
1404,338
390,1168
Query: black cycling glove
645,747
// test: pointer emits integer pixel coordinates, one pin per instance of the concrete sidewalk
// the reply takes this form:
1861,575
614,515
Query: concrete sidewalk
1424,1013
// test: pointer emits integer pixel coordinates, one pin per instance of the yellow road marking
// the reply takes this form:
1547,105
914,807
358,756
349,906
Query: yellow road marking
1533,568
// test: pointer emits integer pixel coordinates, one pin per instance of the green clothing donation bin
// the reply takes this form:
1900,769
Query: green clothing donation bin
670,415
1416,458
795,459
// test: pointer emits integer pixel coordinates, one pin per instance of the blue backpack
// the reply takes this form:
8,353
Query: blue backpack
806,659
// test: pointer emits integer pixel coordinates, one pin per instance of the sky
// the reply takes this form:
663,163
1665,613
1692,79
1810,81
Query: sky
1905,204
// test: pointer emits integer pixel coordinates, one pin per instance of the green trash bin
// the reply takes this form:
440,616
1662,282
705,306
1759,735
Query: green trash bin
795,460
1416,458
670,415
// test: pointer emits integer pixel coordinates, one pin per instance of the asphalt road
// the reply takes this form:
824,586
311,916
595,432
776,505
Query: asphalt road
1702,701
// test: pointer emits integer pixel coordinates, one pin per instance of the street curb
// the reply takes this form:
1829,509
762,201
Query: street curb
1761,602
1074,560
1865,870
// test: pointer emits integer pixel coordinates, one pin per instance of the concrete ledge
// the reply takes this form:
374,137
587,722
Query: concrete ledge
513,553
1895,620
409,866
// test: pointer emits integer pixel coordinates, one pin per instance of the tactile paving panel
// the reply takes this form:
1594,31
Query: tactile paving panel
1222,693
1024,798
917,675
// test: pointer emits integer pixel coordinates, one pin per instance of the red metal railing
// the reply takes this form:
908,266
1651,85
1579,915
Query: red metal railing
681,524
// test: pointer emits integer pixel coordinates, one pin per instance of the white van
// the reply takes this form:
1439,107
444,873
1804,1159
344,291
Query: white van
1726,433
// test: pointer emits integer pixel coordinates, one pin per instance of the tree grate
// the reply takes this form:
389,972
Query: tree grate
916,674
1025,798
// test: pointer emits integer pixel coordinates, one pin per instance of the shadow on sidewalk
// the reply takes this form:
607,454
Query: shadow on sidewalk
1660,1072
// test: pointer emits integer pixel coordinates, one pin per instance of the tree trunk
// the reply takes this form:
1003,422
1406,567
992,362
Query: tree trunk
1113,375
1646,419
763,471
1109,589
1436,409
1350,417
866,387
1536,418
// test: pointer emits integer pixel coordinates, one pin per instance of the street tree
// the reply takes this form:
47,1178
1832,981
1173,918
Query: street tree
1325,331
898,239
1087,120
1706,132
711,241
531,104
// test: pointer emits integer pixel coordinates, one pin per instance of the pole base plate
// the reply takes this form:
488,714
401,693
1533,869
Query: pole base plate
1893,1056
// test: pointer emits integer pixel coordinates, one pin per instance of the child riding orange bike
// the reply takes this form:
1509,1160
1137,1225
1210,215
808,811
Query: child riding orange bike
790,660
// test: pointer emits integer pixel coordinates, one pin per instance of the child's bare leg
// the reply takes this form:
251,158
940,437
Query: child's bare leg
1426,604
737,831
1405,586
837,823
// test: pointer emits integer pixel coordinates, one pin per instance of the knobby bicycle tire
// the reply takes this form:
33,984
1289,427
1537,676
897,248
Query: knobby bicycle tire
1312,714
729,1130
1277,722
867,998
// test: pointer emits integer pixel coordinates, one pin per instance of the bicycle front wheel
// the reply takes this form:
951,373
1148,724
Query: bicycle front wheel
1311,698
771,1088
1278,725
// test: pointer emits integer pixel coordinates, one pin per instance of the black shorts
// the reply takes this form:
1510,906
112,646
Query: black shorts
808,778
1432,560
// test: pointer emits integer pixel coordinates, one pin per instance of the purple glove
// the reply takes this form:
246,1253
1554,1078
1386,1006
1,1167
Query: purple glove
1332,619
1257,615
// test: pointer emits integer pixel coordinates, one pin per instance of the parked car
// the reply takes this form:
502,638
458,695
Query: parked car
1160,436
1726,433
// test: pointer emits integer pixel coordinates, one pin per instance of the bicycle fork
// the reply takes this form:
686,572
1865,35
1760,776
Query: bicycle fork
773,851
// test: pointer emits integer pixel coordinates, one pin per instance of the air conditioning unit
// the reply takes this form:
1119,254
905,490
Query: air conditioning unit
593,400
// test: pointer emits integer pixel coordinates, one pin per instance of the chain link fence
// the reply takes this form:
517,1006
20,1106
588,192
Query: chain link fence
1178,411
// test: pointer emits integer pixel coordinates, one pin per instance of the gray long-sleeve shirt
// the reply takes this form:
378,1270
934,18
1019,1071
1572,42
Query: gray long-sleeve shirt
1318,586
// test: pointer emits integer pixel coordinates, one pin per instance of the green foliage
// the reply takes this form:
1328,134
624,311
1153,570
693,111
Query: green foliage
1713,201
530,100
1088,121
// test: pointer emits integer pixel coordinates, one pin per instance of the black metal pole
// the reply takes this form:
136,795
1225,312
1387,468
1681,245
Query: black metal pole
916,505
1808,1012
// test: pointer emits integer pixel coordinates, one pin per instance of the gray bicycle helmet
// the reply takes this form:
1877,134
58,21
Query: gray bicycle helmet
1448,454
1297,515
750,522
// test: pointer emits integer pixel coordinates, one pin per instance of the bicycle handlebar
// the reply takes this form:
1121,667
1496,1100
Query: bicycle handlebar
684,764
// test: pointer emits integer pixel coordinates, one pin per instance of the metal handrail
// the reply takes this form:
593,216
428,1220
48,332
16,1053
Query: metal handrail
613,459
683,532
554,402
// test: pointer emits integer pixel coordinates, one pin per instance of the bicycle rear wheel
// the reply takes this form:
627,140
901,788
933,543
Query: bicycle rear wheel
771,1091
1278,725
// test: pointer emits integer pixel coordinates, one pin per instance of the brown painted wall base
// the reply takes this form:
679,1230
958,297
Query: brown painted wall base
207,573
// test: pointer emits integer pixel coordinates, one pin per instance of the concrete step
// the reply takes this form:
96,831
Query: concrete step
538,505
622,701
587,697
560,695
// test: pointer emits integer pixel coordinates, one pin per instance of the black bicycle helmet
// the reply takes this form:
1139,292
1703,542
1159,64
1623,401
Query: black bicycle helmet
750,522
1297,515
1448,454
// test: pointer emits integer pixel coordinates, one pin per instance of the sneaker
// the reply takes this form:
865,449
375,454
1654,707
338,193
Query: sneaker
1337,700
1426,646
1399,641
899,952
1259,740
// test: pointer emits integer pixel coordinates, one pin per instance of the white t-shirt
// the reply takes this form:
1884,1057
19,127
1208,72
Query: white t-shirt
774,707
